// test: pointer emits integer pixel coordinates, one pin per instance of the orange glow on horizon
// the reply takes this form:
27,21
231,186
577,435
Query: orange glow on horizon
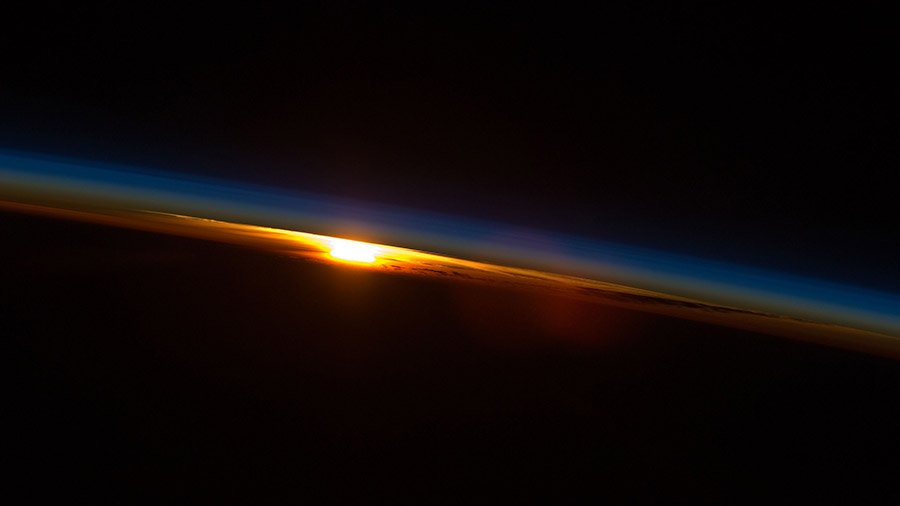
408,261
353,251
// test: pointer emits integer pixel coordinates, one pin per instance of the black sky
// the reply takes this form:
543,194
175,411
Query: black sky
742,132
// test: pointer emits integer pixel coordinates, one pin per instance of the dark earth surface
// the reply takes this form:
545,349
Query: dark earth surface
150,366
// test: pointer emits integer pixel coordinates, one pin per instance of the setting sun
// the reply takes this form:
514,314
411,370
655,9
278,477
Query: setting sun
353,251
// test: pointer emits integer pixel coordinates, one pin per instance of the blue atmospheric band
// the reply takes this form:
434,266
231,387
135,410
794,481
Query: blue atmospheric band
738,286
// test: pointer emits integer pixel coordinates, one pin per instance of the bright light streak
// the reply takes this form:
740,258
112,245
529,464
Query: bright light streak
353,251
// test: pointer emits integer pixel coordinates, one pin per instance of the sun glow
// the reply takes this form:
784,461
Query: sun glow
353,251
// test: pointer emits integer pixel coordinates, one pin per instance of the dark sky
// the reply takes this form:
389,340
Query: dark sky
738,132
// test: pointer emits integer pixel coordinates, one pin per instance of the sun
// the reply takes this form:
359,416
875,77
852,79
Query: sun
353,251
